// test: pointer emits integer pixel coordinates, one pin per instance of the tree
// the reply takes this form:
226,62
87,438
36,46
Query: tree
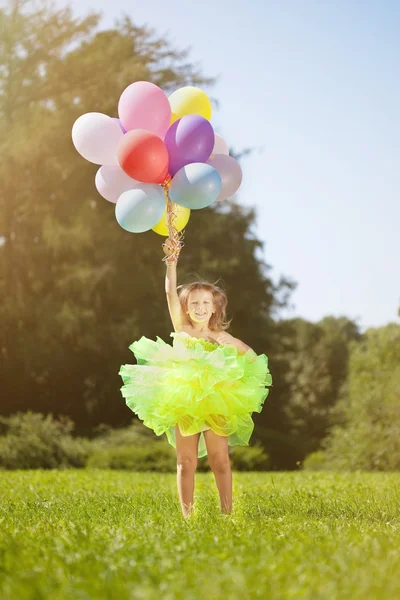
59,249
311,370
76,289
366,435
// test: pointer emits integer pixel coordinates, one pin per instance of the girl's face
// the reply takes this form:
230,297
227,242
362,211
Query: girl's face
200,306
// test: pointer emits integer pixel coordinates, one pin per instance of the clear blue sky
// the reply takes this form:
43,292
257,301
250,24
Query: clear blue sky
316,86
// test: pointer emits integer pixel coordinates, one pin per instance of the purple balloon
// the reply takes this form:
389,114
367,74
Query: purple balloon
189,140
120,124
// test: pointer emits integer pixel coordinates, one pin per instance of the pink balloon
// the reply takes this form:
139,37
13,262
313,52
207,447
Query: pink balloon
231,174
220,146
111,181
143,105
96,137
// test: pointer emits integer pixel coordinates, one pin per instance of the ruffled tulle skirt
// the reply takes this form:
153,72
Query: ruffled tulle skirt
196,385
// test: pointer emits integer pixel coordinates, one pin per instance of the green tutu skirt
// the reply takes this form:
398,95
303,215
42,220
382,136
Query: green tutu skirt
197,385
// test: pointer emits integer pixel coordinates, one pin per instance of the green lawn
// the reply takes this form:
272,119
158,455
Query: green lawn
106,534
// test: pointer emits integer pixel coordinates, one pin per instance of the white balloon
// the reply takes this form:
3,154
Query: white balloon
220,146
111,181
96,137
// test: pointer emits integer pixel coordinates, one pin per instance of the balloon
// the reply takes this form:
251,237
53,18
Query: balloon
111,181
140,208
143,105
220,146
195,186
143,156
188,140
181,220
190,100
174,118
119,123
231,174
96,137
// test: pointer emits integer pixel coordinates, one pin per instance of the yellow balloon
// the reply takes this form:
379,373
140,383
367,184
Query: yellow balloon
190,100
180,222
174,118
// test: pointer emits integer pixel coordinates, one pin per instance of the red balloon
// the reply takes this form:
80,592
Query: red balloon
143,156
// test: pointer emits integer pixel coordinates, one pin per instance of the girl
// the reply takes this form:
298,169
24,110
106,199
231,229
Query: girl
202,390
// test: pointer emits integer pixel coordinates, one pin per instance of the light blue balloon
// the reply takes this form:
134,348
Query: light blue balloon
195,186
140,208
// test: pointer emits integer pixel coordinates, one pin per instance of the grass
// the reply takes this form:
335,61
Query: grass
90,535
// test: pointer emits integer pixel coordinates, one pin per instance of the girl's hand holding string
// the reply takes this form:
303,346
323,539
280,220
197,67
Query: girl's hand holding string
167,248
172,249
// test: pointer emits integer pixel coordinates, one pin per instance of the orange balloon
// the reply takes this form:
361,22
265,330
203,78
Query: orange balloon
143,156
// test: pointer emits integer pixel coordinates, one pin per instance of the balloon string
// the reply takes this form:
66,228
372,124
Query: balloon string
174,244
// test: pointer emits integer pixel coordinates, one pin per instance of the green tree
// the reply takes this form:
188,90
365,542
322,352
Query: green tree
311,370
367,431
61,250
75,288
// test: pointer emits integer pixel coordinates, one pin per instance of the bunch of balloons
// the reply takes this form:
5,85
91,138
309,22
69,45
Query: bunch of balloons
159,151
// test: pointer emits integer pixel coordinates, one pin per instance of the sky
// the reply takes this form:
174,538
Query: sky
314,88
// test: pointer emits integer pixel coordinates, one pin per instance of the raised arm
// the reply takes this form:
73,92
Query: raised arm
174,305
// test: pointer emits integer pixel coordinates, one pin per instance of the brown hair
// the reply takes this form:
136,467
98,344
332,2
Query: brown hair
218,320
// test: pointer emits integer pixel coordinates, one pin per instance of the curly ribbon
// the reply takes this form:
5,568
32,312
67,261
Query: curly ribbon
173,244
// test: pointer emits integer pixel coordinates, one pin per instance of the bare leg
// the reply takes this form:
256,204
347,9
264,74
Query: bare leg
218,457
186,455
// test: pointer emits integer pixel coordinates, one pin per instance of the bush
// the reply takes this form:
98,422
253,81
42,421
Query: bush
316,461
34,441
134,435
249,458
157,456
136,448
161,457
